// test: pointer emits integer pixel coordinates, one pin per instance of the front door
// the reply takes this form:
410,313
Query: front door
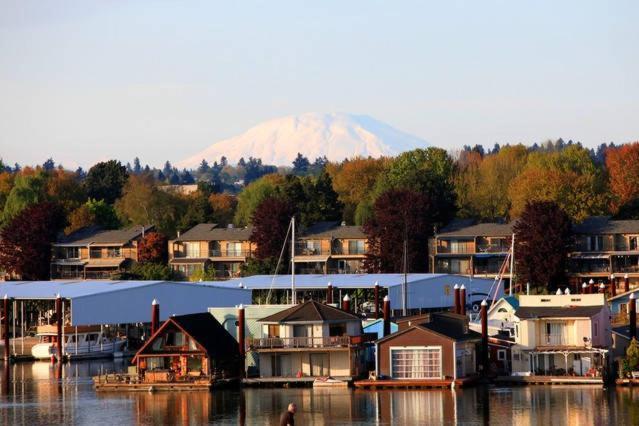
319,364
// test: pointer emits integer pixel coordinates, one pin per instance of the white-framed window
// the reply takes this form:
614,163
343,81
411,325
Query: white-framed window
416,362
501,355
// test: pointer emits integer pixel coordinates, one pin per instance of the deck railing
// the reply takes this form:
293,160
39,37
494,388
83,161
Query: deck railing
304,342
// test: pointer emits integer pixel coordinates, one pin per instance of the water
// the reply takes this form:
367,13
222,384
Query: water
38,393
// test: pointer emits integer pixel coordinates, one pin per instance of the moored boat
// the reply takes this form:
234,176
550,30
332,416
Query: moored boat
77,343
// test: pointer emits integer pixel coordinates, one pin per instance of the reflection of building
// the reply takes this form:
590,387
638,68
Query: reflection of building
330,248
206,245
471,249
561,335
310,340
603,247
91,253
441,347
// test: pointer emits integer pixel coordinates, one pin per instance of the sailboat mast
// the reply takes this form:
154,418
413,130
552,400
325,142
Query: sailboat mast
293,293
405,283
512,265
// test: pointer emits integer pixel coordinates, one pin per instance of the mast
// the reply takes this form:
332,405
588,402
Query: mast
512,265
293,294
405,283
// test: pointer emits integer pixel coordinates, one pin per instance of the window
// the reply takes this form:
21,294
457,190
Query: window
356,247
633,242
114,252
337,329
70,253
516,356
95,252
273,330
503,310
416,363
595,243
233,249
501,355
313,247
192,250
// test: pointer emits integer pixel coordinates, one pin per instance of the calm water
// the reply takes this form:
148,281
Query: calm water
38,393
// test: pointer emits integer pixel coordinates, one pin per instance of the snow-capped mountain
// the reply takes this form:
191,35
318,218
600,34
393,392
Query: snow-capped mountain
335,135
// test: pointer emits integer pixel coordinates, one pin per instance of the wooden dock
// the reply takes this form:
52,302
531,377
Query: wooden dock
548,380
128,383
415,383
627,382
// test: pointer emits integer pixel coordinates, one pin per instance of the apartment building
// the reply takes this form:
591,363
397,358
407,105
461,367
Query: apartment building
605,250
466,248
93,253
330,248
207,245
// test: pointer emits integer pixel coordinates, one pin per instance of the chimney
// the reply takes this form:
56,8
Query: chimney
591,286
632,315
58,319
155,316
613,285
386,329
5,324
346,303
376,300
559,292
456,299
329,294
178,234
484,336
584,286
462,299
240,339
602,288
626,283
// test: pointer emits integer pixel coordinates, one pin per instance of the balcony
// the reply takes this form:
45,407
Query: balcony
305,342
554,339
493,248
311,251
349,251
459,248
229,253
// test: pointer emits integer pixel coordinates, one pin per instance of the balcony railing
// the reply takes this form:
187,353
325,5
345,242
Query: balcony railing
311,251
229,253
456,249
349,251
554,340
304,342
629,268
493,248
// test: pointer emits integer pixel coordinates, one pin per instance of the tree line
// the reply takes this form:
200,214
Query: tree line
400,201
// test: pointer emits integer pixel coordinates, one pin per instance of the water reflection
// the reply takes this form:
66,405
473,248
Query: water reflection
41,393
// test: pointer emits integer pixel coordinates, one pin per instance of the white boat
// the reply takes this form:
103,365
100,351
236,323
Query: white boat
78,343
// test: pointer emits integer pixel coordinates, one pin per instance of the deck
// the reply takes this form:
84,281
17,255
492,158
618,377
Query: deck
290,381
130,383
415,383
548,380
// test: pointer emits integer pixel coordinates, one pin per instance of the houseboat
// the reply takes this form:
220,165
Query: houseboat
87,342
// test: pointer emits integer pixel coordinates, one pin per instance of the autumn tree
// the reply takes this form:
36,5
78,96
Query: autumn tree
25,241
223,208
253,195
153,248
567,177
106,180
622,164
402,218
270,224
93,212
543,237
64,188
198,211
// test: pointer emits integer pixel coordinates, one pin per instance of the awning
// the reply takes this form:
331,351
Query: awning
306,259
590,256
69,262
106,263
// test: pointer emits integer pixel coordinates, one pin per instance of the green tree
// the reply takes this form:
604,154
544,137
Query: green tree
93,212
106,180
26,191
253,195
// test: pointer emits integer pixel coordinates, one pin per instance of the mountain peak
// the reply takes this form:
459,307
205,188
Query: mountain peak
334,135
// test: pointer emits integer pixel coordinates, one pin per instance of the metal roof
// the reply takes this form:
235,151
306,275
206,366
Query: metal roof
123,302
320,281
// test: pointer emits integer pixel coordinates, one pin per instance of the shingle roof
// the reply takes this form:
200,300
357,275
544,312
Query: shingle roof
332,230
465,229
447,324
605,225
311,311
526,312
209,333
211,232
95,235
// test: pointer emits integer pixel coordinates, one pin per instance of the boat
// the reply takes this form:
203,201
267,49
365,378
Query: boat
85,342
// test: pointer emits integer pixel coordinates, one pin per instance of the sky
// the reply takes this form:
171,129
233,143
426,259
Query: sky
84,81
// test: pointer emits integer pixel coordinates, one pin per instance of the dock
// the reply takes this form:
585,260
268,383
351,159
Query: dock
129,383
627,382
416,383
292,382
548,380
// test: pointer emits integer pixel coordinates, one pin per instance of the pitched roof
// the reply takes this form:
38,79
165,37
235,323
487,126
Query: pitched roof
311,311
447,324
332,230
211,232
462,228
209,333
206,330
605,225
528,312
96,235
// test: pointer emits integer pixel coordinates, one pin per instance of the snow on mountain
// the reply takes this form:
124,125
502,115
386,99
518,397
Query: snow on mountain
335,135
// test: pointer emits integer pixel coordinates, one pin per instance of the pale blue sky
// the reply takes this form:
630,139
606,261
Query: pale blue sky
84,81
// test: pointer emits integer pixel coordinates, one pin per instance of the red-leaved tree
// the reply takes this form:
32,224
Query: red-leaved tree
25,242
153,248
543,236
622,164
399,216
270,222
